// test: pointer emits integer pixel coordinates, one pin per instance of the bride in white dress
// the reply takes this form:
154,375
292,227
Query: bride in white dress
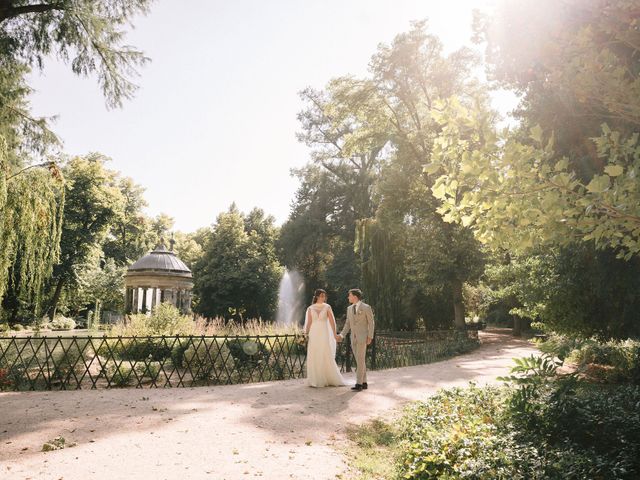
320,326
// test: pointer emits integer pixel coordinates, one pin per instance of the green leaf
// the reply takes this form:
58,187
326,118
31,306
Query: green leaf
598,184
536,133
431,168
613,170
561,165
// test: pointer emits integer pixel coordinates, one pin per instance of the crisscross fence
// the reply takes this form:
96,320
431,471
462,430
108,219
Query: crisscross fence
63,363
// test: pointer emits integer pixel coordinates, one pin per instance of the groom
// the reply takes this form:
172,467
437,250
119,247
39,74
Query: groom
360,323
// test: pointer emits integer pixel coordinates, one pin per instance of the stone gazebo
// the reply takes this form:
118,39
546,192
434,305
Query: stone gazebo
158,277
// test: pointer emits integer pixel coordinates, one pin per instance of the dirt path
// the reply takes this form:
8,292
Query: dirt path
277,430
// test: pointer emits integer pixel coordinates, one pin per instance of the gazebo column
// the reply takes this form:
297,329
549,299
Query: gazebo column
127,299
144,300
138,300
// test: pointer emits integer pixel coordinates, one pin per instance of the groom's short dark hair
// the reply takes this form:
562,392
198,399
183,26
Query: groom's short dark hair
356,292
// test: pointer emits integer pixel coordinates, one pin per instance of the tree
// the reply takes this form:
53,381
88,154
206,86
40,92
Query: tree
130,232
570,172
318,238
190,246
93,201
238,274
86,33
31,206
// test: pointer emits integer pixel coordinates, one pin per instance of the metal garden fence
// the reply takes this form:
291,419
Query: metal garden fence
63,363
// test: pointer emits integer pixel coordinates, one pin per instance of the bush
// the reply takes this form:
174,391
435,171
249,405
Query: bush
540,426
120,375
165,320
247,353
622,355
62,323
456,434
142,349
17,327
209,360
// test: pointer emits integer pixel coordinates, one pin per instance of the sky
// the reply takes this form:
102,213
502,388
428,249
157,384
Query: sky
214,120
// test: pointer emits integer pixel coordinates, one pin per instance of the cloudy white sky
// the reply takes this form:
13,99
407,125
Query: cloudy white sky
214,120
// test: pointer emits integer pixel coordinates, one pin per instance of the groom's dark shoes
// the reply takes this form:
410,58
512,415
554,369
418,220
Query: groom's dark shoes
357,387
365,386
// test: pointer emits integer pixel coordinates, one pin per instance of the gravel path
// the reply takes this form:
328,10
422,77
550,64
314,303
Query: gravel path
276,430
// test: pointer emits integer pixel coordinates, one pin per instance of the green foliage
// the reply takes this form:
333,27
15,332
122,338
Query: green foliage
577,290
570,172
455,434
208,360
572,431
382,272
622,355
247,353
93,201
144,350
86,33
102,283
61,322
120,375
31,205
239,273
130,234
164,320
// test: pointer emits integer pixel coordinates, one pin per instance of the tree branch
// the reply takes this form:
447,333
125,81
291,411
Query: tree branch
9,11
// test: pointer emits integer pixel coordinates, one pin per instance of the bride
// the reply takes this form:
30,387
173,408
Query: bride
320,326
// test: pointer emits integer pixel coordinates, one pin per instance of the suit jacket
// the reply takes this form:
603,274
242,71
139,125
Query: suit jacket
361,324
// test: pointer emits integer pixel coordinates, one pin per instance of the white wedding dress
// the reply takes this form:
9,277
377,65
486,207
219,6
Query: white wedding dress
322,370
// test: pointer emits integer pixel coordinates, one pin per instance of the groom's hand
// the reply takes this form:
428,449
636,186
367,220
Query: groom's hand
369,340
338,338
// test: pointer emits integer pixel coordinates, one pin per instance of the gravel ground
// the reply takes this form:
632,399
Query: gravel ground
275,430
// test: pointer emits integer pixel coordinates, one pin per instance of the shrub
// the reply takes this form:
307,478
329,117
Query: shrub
455,434
4,327
164,320
147,370
622,355
120,375
247,353
209,360
17,327
540,426
62,323
141,349
63,364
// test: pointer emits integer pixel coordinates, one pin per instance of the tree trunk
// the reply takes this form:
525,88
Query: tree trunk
56,298
458,305
517,326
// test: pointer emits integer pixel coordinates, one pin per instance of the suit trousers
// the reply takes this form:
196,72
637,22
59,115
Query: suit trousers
359,348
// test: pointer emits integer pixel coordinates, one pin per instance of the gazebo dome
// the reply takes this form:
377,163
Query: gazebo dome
158,277
160,260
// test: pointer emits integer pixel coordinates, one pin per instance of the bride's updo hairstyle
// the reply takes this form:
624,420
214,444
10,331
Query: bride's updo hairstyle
316,294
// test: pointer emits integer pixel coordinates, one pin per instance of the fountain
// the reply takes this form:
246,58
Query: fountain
290,299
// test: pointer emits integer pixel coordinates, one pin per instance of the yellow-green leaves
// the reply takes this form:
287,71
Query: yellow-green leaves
515,195
598,184
613,170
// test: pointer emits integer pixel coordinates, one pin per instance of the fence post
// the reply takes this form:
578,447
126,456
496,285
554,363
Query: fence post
373,353
348,356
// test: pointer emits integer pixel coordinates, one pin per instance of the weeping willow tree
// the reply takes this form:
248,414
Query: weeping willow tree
382,278
31,208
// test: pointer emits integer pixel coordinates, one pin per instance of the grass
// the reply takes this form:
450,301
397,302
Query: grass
373,449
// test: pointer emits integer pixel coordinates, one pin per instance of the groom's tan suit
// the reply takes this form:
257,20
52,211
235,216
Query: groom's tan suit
361,324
